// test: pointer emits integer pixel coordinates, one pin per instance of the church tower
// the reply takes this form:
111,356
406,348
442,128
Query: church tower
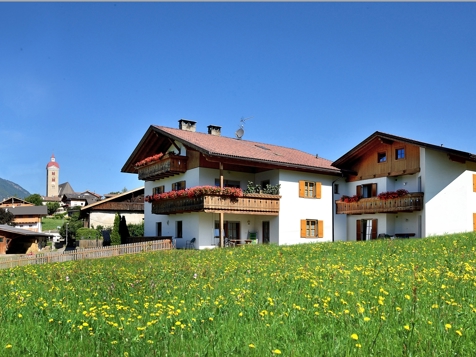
52,177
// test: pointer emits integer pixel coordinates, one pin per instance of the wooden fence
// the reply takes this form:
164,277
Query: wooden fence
100,252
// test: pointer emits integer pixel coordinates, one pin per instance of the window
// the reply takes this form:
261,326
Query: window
366,229
159,229
228,183
53,179
367,191
178,186
158,190
312,228
53,173
399,154
336,188
264,183
178,229
381,157
309,189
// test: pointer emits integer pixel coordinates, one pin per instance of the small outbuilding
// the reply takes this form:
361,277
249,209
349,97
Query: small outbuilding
21,241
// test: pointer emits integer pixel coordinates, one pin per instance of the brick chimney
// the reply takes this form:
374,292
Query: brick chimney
187,125
214,130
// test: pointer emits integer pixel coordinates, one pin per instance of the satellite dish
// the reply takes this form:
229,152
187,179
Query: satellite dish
239,133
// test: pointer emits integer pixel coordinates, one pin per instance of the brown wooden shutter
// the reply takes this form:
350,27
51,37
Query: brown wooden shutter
474,222
358,229
359,191
374,229
374,190
320,229
303,228
474,182
301,188
318,190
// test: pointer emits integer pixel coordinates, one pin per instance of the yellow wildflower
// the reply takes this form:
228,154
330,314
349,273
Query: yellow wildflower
354,336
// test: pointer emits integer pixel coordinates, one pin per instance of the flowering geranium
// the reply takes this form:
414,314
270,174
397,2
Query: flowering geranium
149,159
392,194
195,192
351,199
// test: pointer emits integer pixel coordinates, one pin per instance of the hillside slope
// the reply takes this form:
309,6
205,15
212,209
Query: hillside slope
11,189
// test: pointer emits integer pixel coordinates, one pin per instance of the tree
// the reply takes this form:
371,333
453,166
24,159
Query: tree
115,237
35,199
52,207
6,217
73,225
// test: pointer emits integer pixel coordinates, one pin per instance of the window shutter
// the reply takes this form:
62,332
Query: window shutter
474,182
303,228
359,191
358,229
318,190
474,222
320,229
301,188
374,229
374,190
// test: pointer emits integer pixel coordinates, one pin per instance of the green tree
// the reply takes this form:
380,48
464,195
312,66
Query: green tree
115,237
35,199
52,207
6,217
72,225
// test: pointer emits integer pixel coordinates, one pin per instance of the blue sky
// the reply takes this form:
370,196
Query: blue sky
85,80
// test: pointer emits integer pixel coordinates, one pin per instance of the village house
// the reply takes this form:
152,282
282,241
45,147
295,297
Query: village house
129,205
171,160
405,188
25,214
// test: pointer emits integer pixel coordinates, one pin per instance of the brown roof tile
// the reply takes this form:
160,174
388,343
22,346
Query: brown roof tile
222,146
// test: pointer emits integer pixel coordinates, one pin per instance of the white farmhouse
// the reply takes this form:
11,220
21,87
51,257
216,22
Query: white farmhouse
441,186
185,161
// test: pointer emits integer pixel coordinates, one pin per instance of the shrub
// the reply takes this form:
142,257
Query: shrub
86,233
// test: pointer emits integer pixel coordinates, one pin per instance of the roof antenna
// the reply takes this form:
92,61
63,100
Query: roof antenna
241,131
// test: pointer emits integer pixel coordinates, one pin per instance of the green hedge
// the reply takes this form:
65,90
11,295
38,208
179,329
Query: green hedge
87,233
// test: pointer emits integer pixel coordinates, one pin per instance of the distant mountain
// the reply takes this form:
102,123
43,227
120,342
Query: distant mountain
11,189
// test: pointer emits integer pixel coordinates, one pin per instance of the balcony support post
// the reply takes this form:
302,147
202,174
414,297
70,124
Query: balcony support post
222,215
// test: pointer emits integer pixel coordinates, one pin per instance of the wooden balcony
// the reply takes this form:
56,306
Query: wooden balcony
169,165
408,203
258,204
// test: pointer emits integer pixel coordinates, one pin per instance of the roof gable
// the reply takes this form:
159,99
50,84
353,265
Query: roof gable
378,137
244,152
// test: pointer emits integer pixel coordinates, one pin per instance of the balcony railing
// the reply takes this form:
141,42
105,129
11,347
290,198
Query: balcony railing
258,204
408,203
169,165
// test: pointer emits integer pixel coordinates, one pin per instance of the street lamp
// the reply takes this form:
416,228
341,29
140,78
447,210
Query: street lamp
66,234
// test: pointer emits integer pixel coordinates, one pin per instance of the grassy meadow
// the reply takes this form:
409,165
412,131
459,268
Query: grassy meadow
409,297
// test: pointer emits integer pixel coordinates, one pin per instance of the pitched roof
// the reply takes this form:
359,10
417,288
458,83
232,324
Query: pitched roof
29,210
113,198
244,151
14,200
22,232
364,145
65,188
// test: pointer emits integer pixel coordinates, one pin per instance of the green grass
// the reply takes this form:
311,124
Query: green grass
48,224
412,297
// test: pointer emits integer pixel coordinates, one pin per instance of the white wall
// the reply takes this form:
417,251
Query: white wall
294,208
449,198
106,218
